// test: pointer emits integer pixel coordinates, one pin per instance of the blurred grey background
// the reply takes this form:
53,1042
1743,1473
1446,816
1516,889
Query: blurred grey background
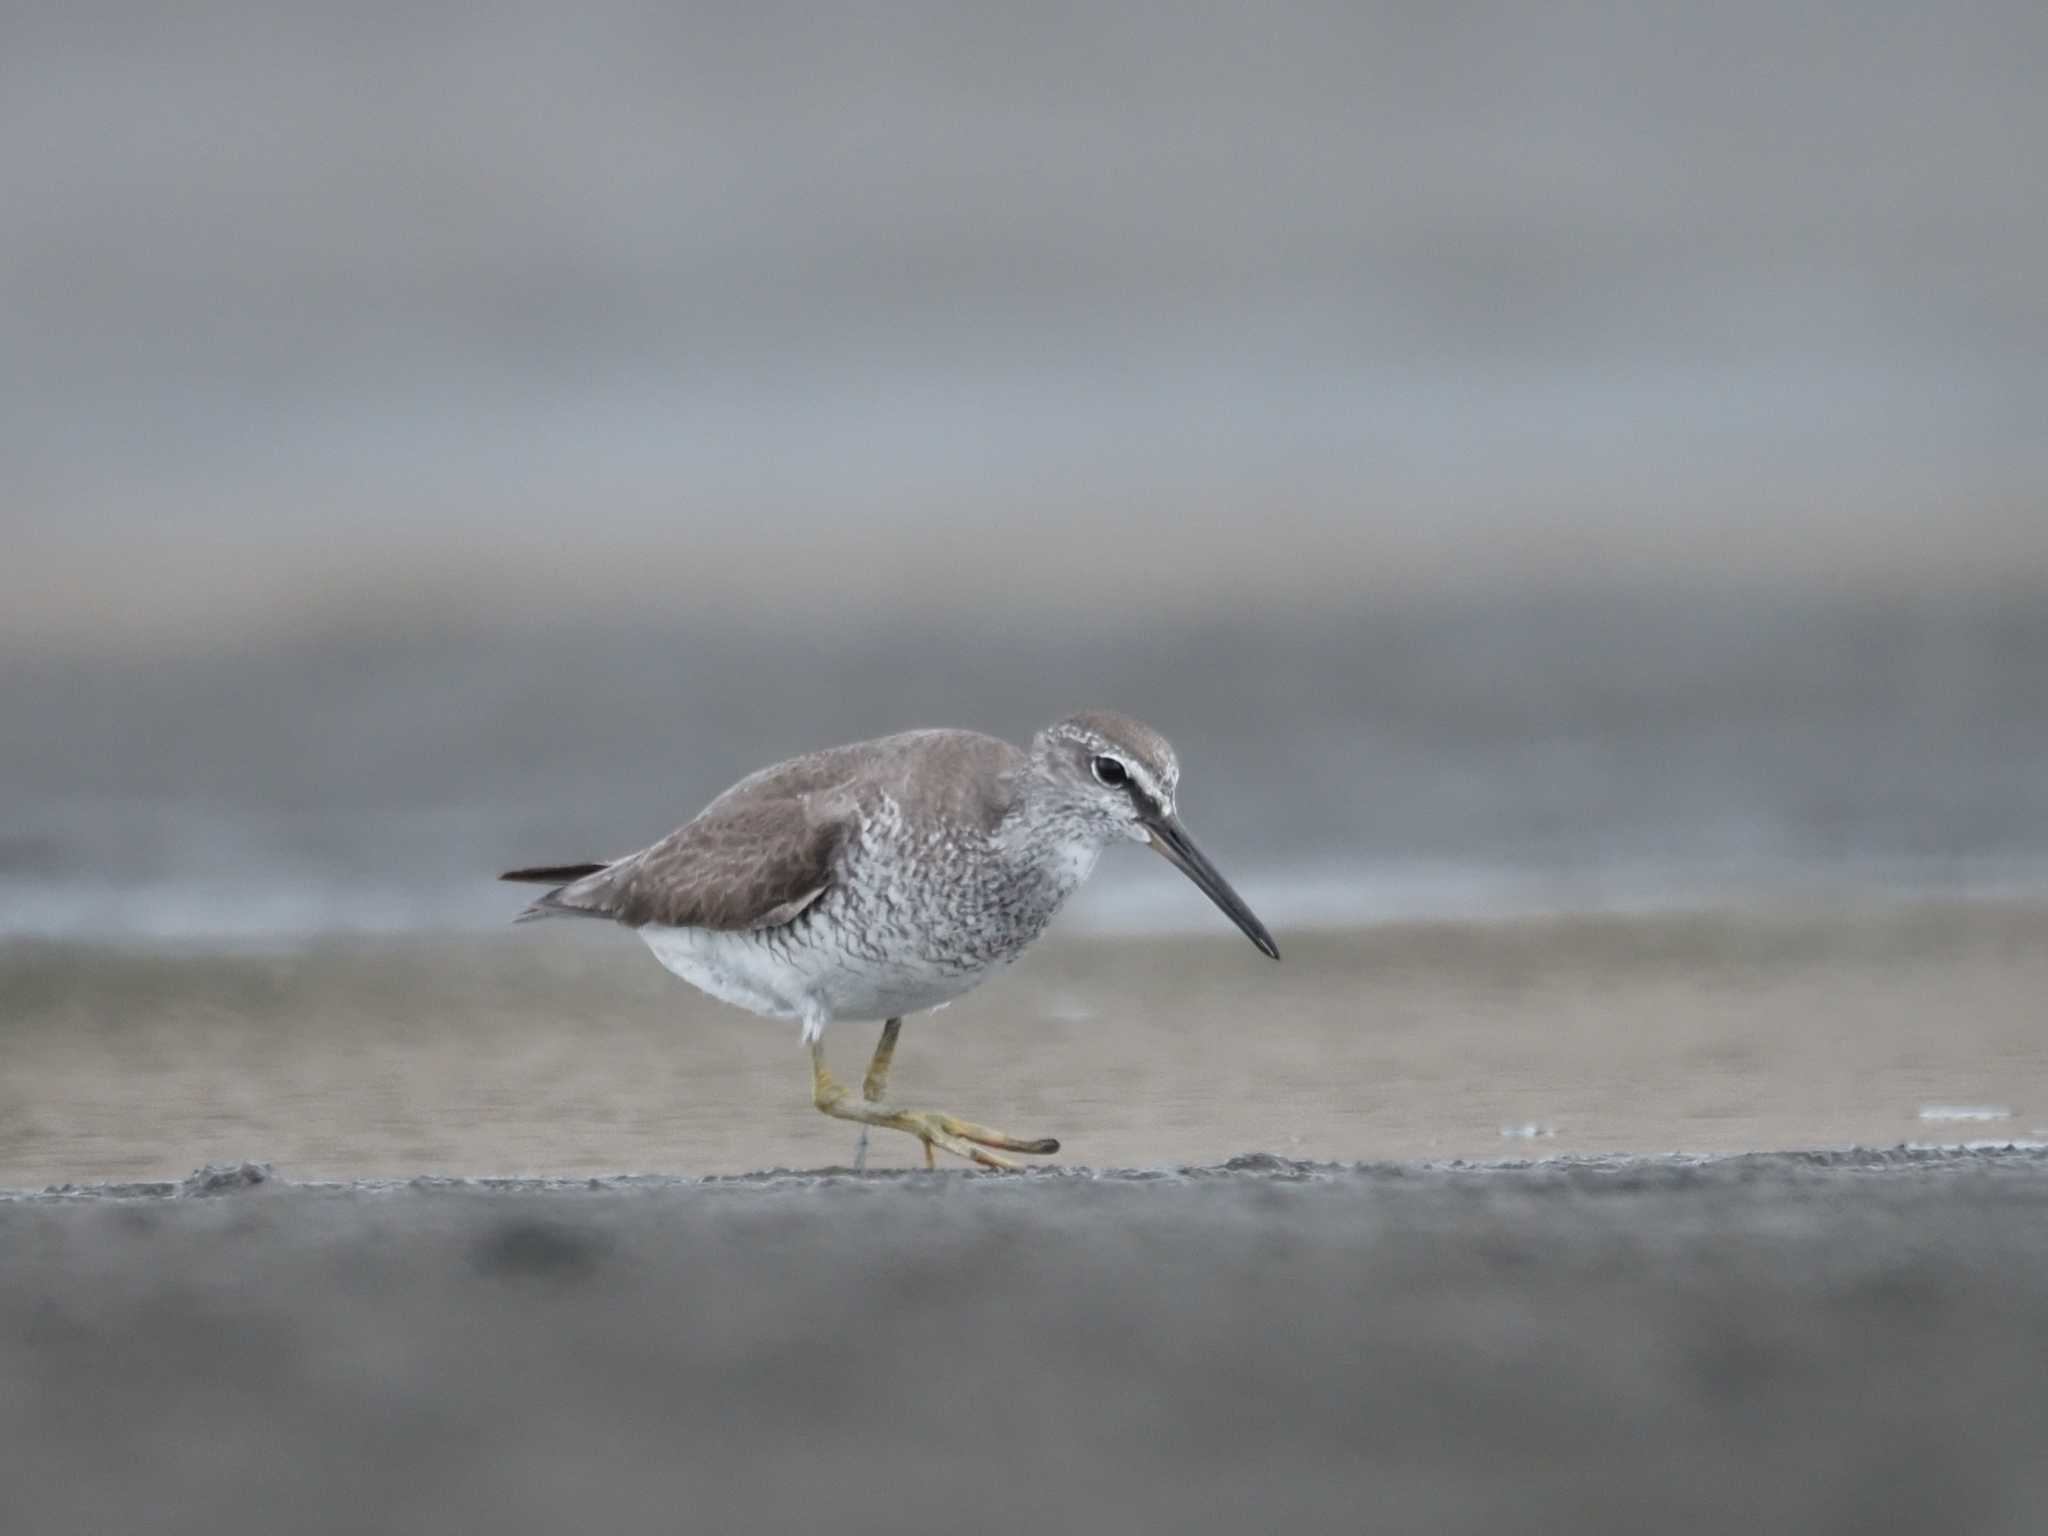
1527,457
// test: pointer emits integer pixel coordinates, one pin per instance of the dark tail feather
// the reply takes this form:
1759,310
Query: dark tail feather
552,874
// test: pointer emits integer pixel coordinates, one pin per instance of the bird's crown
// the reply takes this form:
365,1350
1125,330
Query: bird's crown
1114,751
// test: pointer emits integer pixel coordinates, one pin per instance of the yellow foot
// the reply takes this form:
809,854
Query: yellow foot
963,1138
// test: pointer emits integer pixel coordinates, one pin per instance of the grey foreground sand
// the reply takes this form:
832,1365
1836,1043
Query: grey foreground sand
1823,1343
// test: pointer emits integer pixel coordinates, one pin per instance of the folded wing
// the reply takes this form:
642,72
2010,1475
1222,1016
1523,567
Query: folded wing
758,863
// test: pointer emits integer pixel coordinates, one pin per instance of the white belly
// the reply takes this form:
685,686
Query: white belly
884,940
787,981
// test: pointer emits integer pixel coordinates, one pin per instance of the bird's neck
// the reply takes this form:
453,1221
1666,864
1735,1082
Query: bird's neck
1055,835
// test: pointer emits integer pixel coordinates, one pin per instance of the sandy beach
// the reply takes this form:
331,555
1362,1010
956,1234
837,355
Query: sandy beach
569,1051
487,1245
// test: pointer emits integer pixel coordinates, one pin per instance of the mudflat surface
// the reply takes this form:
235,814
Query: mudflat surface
1349,1331
1798,1342
567,1050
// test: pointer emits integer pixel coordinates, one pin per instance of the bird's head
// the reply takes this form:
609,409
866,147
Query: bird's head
1118,778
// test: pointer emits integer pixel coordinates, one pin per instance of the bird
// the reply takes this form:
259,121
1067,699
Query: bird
876,880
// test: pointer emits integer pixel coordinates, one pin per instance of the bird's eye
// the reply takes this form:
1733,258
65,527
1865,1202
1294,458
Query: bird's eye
1111,772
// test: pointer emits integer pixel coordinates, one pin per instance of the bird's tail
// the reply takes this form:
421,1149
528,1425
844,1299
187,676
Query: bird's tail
551,874
558,876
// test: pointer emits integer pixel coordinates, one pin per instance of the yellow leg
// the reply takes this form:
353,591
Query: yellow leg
963,1138
877,1082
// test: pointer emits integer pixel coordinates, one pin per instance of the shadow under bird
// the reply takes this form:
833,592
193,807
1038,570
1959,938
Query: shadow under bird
876,880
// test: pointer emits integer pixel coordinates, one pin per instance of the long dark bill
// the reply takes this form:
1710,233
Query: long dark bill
1171,839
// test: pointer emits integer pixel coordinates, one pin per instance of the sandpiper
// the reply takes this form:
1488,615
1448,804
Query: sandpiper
877,880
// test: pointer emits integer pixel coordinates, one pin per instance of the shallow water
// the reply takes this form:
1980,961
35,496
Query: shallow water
567,1051
1370,762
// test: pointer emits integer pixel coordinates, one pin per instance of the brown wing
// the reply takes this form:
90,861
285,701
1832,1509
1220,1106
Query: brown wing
763,851
757,863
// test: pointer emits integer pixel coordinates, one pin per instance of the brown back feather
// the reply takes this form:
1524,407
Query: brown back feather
761,853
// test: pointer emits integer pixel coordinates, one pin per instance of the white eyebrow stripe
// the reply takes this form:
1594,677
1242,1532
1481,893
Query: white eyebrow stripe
1148,784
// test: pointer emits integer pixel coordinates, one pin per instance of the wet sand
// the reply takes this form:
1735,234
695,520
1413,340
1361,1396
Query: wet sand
567,1050
1852,1343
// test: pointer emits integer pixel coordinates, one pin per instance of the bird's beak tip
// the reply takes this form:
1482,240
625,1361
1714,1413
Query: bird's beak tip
1170,840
